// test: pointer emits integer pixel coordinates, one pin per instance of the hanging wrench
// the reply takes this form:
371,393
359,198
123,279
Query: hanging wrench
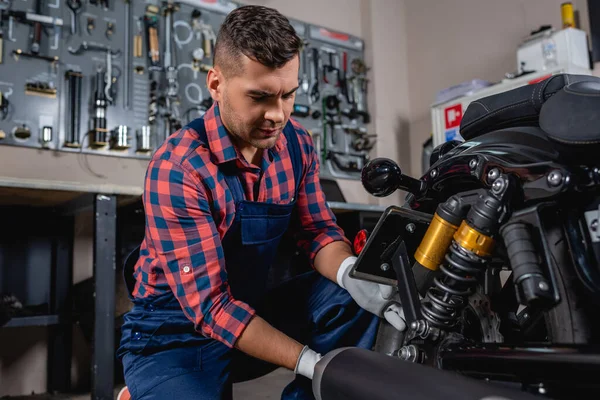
315,94
304,84
108,77
76,7
85,46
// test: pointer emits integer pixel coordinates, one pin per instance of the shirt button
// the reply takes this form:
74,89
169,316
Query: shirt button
137,335
186,269
241,207
151,307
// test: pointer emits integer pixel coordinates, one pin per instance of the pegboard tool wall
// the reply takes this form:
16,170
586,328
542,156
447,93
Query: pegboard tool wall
57,56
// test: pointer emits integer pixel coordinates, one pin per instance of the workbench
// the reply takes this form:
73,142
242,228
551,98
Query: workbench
65,199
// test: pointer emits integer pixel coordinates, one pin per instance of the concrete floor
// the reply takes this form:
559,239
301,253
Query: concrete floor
268,387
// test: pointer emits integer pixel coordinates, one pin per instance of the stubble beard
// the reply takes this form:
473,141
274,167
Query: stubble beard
235,126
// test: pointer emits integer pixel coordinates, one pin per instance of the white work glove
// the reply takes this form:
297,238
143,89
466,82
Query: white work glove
307,360
373,297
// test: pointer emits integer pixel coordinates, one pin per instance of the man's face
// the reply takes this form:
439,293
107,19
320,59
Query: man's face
256,104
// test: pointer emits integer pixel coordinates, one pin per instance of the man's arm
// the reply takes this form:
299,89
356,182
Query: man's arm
330,257
263,341
320,236
181,228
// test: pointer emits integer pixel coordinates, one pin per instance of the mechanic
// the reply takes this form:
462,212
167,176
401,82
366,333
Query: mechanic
218,196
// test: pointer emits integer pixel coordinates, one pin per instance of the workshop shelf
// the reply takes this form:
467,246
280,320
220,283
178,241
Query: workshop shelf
37,320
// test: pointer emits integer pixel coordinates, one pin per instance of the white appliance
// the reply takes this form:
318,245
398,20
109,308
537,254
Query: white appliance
572,58
570,44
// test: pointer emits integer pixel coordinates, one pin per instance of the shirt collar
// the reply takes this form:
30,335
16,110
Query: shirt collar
219,140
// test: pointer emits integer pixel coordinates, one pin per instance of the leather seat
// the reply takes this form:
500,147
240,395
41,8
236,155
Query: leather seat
572,115
565,106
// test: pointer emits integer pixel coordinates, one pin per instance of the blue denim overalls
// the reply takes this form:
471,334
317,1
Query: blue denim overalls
165,358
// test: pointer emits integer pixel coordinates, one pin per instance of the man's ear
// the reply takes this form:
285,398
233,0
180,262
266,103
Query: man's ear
214,83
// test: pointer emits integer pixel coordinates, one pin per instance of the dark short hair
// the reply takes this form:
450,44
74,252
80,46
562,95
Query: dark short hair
260,33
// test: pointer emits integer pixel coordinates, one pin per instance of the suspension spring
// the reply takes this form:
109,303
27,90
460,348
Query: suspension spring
449,293
466,258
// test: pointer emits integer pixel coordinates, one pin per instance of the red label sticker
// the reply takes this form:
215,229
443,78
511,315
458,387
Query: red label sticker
453,115
537,80
334,35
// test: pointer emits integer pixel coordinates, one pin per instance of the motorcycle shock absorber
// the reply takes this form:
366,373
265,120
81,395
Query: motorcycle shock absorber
434,245
466,258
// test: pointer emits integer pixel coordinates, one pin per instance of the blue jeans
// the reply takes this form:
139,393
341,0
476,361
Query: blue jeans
308,308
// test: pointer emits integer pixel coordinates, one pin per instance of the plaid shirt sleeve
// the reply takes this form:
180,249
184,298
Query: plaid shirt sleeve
318,224
188,245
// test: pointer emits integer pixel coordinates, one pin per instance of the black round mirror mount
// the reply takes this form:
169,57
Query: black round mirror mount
382,177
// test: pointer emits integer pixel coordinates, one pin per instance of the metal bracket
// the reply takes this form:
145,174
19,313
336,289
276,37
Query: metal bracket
407,288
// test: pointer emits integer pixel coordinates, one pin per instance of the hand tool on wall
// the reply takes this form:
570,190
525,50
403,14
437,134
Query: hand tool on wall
72,135
153,46
364,142
91,25
36,38
99,131
359,87
137,40
208,38
171,98
144,136
127,55
314,77
75,7
344,79
304,85
197,24
38,22
332,68
46,136
351,165
110,78
41,88
110,30
151,21
4,107
119,138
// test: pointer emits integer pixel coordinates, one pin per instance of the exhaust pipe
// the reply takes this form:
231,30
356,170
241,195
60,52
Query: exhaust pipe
353,373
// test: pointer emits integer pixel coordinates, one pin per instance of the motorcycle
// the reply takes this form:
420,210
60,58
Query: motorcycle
495,253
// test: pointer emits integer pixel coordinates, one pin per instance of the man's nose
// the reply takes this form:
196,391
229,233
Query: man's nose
275,112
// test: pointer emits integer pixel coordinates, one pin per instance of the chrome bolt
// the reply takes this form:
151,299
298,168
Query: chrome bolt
541,389
433,173
413,325
493,174
473,163
385,267
555,178
498,185
543,286
525,316
410,228
409,353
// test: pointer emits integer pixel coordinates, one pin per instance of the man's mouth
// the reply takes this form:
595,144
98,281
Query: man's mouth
269,132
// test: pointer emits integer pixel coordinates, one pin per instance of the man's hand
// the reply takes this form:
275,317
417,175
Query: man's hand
375,298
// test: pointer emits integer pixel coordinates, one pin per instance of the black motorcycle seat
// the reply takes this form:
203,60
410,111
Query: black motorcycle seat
522,107
572,115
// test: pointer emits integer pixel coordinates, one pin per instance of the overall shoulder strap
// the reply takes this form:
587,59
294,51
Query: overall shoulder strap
295,153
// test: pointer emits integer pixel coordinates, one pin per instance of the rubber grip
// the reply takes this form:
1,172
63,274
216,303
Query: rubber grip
521,250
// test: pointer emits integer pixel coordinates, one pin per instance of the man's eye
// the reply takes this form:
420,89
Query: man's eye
258,99
288,96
